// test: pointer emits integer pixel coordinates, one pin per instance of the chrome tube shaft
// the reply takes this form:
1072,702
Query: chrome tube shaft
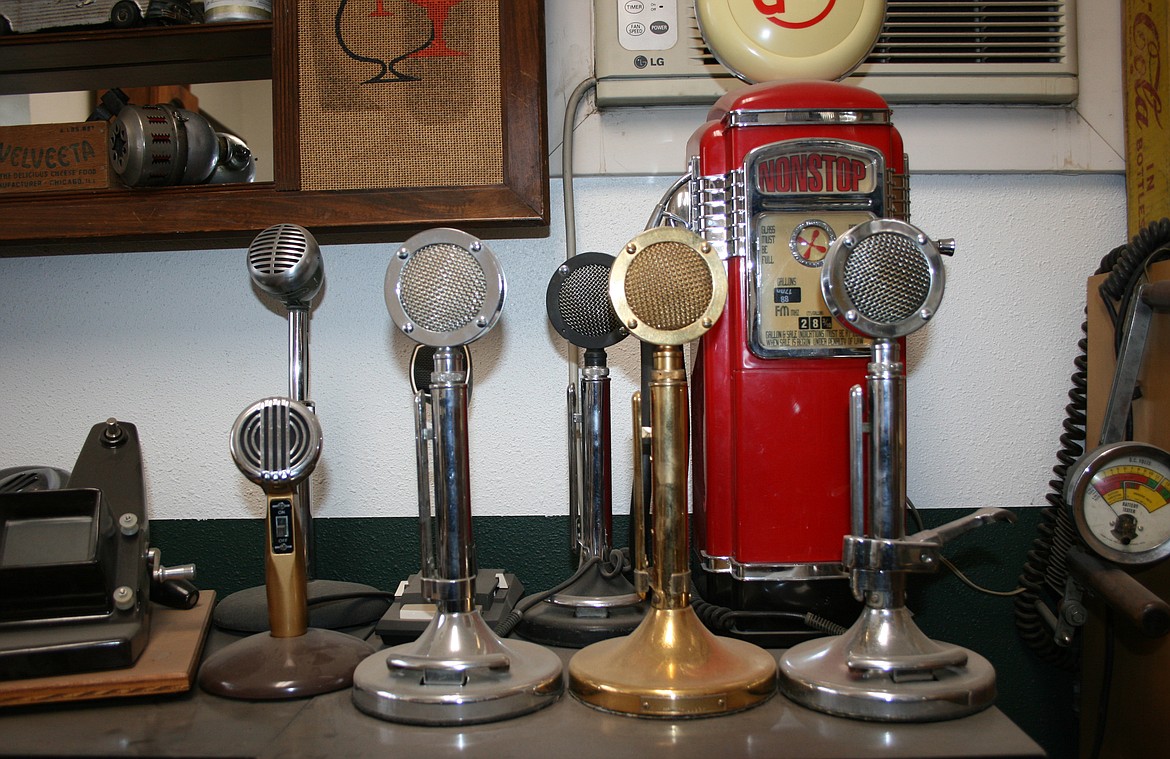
596,505
454,559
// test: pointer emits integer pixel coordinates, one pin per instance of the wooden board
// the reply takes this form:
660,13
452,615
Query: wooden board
48,157
167,665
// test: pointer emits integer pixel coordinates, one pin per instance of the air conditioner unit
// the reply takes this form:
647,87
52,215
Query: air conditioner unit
930,51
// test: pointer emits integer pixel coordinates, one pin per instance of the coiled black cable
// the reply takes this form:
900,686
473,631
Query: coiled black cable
1044,564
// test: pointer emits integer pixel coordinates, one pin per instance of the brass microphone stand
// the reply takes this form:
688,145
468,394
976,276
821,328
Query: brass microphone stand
668,287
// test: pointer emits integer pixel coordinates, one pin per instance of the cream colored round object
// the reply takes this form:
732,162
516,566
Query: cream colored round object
767,40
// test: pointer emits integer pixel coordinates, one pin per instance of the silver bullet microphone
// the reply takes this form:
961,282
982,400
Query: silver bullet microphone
285,262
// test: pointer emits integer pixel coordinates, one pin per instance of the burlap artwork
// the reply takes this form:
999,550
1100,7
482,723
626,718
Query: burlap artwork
387,103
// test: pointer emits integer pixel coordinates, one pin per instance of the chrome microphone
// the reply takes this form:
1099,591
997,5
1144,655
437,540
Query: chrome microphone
598,601
445,289
884,279
276,443
284,261
668,287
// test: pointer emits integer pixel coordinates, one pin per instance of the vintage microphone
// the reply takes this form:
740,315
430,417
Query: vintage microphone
599,602
668,287
444,288
884,279
285,262
276,443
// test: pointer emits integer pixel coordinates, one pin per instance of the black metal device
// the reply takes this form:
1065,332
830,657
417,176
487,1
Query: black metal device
77,573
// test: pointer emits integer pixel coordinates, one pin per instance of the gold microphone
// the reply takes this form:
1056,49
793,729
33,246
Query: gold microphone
276,443
668,287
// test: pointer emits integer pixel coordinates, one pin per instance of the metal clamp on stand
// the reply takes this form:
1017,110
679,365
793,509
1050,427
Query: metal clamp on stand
884,279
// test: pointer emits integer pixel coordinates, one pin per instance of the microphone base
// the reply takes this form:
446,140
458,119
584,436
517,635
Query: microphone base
672,667
593,608
459,672
884,669
246,611
262,667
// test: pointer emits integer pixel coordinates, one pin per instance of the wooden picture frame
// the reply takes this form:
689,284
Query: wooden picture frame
519,199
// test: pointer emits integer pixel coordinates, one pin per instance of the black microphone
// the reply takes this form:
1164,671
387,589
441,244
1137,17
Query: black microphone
597,602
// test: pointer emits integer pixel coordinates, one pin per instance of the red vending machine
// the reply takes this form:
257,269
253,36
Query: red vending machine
779,170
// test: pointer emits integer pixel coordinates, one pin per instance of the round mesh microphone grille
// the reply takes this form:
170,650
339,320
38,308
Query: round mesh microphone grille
887,277
276,442
668,286
883,278
578,302
443,287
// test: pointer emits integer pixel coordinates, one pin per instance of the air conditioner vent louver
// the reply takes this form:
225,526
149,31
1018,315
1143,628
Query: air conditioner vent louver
930,51
922,32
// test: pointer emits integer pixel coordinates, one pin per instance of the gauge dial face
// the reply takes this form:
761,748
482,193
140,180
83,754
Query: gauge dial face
1120,497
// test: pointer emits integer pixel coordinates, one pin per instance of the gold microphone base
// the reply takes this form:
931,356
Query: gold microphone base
264,667
672,667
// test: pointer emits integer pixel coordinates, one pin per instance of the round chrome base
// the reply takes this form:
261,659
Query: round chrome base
261,667
884,669
458,672
672,667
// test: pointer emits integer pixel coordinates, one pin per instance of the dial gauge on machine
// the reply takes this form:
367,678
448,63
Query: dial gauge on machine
1120,499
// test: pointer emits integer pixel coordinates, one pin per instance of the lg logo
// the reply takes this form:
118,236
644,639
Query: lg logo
795,14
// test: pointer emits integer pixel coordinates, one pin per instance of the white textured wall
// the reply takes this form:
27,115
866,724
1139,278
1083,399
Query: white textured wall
179,343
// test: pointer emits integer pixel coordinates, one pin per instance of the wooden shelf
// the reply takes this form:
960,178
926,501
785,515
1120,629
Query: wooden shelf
204,216
105,58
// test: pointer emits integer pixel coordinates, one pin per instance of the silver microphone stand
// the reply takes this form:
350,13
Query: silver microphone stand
884,279
458,671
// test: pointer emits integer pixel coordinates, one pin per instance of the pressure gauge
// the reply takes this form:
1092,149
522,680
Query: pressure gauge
1120,499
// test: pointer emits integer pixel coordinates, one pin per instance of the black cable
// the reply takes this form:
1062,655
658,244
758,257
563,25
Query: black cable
1106,687
352,596
1044,573
509,623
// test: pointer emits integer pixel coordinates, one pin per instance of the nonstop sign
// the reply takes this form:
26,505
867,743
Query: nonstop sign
818,172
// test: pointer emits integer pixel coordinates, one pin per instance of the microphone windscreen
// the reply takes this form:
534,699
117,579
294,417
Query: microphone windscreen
276,442
444,288
284,260
883,278
668,286
578,302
